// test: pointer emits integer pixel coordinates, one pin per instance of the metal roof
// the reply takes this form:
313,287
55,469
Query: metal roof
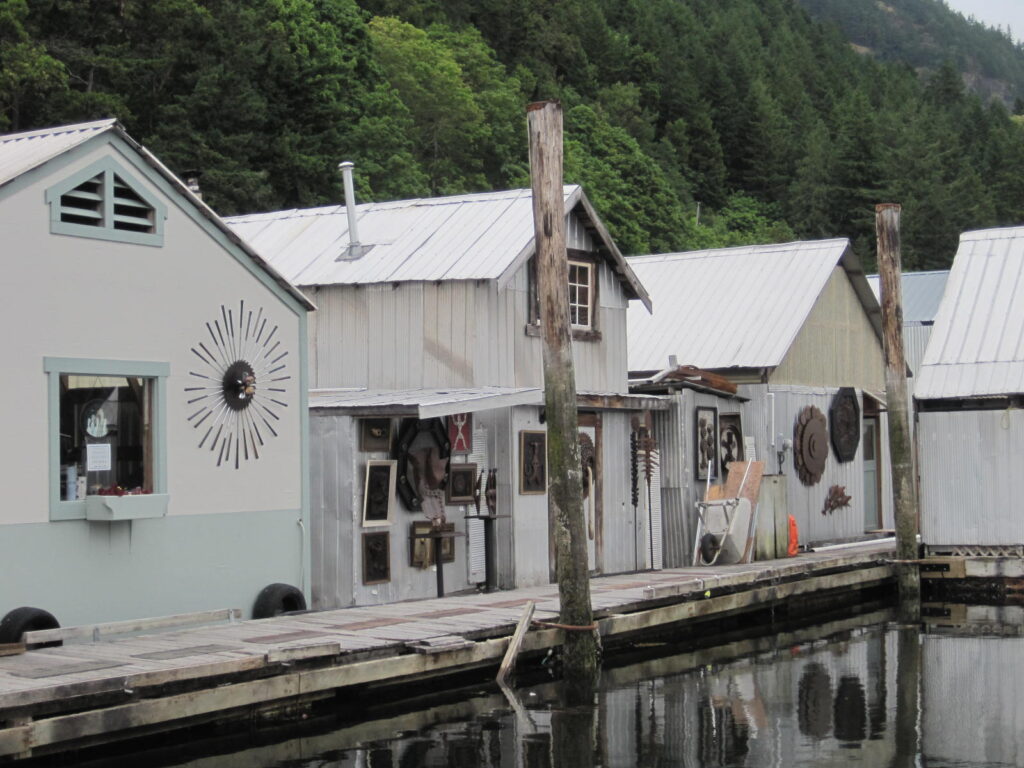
483,236
922,293
976,348
423,403
734,307
21,152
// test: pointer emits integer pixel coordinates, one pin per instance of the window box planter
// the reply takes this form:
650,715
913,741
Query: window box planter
130,507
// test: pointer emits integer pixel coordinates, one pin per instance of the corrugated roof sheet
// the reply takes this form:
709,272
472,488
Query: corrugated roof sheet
462,237
730,307
21,152
922,293
424,403
976,348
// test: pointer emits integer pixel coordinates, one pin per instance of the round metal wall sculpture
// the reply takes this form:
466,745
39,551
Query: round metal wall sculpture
810,445
237,391
844,421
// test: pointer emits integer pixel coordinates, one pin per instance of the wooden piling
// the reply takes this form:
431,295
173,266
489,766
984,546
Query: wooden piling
887,227
565,484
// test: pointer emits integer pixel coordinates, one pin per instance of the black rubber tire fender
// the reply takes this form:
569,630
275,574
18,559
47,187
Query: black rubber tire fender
709,546
25,619
275,599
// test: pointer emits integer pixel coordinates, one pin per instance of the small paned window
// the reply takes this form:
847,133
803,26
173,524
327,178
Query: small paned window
105,202
581,292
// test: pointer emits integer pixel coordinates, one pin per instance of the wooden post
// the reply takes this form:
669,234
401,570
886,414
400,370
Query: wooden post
887,228
565,484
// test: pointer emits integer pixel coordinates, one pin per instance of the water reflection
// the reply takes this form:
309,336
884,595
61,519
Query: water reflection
857,692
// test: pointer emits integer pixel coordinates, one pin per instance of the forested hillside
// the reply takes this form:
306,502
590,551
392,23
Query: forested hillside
925,34
766,122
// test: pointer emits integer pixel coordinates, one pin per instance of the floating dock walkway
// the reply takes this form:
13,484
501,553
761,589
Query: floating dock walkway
105,690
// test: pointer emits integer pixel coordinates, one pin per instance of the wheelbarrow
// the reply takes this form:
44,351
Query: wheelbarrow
724,527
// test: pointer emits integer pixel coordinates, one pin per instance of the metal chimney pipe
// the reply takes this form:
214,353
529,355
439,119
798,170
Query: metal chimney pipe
350,208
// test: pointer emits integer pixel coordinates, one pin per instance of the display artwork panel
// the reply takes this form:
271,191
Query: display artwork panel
421,549
460,433
461,483
376,557
375,435
706,442
533,461
730,440
379,492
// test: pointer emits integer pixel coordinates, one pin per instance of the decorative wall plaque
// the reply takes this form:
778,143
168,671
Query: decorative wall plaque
375,435
461,483
730,440
706,435
379,492
422,453
810,445
236,392
533,461
376,557
844,421
460,433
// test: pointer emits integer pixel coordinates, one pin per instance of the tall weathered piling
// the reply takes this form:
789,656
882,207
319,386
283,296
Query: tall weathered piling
887,228
565,488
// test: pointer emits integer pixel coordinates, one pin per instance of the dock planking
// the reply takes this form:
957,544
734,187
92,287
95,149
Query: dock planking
45,694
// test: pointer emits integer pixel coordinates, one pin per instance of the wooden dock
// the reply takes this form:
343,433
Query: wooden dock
85,693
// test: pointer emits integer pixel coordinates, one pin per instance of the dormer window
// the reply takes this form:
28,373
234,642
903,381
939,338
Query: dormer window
583,303
581,294
104,201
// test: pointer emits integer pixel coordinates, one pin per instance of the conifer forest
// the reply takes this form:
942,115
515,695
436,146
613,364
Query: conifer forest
690,123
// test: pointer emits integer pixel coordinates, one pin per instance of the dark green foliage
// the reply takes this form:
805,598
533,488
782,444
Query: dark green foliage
765,121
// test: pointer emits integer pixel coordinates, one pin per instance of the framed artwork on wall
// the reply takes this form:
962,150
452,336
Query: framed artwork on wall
376,557
730,440
533,461
375,435
421,549
379,492
461,484
706,441
460,433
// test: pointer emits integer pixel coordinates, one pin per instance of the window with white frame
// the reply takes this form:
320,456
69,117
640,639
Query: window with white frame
581,294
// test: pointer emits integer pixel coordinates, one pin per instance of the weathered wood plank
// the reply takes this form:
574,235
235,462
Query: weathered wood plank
91,632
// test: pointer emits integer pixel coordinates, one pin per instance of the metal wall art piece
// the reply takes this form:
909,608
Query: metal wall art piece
460,433
379,492
235,393
375,435
421,546
730,440
706,436
533,461
837,498
461,483
844,421
588,462
376,557
422,452
491,492
810,445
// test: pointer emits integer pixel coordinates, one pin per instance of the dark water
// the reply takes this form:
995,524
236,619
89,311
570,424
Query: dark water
854,692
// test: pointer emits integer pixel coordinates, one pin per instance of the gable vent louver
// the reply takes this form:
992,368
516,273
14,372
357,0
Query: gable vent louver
87,204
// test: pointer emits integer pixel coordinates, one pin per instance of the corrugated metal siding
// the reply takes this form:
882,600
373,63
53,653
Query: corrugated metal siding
332,516
972,684
971,483
653,504
669,432
474,543
915,342
977,344
20,152
733,307
836,345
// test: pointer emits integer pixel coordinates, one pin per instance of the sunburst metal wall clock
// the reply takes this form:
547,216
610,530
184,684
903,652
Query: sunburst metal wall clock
237,391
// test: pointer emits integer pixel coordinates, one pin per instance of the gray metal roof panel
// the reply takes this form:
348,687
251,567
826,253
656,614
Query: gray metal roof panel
922,293
424,403
728,308
21,152
976,348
